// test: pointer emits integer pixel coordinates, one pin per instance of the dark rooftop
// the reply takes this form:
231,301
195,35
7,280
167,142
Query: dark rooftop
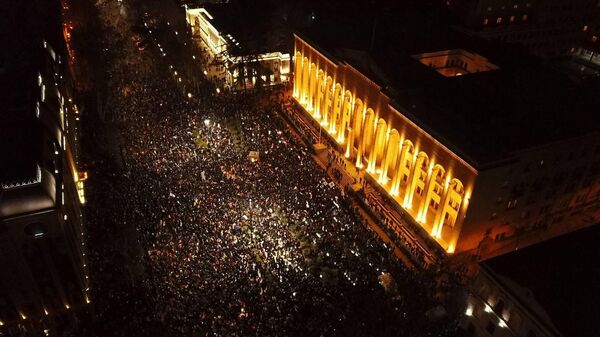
249,23
482,116
23,29
564,275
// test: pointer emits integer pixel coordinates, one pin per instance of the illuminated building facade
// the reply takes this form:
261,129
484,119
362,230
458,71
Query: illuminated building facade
230,66
468,202
427,179
43,268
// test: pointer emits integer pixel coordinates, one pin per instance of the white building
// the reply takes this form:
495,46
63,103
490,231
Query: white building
228,65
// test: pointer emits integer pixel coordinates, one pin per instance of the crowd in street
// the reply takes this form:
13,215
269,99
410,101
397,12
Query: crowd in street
242,233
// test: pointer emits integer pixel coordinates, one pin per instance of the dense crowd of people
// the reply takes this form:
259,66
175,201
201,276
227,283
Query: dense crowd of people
242,233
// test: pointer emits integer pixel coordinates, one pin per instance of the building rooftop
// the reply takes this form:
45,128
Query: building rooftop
20,141
248,32
22,57
563,275
483,116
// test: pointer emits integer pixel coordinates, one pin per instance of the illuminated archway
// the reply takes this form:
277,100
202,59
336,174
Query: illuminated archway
391,155
305,74
453,199
417,179
298,76
433,193
357,119
320,94
344,119
403,168
326,106
335,114
378,146
312,88
366,139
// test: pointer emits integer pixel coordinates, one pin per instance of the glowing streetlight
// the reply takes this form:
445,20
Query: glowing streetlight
189,95
218,90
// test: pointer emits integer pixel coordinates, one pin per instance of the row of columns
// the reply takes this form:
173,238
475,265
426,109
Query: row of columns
399,167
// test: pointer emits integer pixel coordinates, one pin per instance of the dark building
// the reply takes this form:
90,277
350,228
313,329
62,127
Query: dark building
548,28
545,290
42,238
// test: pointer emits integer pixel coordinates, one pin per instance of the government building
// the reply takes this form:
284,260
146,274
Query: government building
486,157
232,65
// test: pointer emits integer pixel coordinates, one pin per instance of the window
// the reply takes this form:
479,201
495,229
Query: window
512,18
499,20
525,17
585,28
433,204
485,21
512,204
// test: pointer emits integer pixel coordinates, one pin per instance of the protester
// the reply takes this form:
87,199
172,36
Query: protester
245,246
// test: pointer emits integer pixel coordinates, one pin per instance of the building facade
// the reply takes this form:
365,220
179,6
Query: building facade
496,306
43,264
483,208
228,65
428,180
548,28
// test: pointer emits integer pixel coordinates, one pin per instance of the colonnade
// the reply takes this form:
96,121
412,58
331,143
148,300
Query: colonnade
422,187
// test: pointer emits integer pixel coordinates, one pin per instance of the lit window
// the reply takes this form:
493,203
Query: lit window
515,6
512,18
489,9
585,28
525,17
499,20
594,38
485,21
469,311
